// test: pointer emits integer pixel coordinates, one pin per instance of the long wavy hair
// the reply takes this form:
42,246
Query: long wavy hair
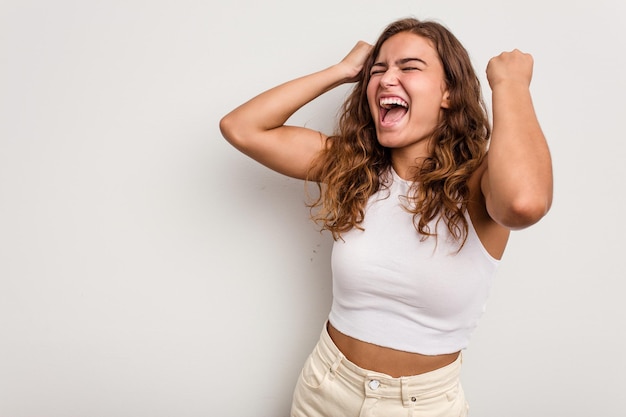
354,165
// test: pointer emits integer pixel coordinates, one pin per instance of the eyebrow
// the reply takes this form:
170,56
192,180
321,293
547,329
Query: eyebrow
405,60
400,62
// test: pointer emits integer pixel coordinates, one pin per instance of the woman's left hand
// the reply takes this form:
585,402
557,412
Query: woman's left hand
515,66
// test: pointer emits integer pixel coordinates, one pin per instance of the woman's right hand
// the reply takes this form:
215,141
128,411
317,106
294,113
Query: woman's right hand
354,61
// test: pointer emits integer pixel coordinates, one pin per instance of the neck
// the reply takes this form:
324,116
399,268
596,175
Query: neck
406,168
407,162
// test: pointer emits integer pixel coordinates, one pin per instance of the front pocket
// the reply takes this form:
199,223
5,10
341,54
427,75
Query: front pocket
456,396
315,372
453,393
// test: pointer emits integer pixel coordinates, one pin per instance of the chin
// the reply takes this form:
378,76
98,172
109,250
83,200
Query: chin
389,144
390,139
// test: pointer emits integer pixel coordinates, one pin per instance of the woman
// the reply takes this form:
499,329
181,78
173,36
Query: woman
419,210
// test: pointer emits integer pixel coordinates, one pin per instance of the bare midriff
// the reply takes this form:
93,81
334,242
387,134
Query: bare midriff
395,363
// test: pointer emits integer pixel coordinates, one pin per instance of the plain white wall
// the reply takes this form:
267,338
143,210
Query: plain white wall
148,269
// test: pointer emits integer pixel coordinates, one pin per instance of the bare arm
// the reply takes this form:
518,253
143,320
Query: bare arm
517,183
257,127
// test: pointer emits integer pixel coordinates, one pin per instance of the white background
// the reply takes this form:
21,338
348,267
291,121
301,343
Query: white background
148,269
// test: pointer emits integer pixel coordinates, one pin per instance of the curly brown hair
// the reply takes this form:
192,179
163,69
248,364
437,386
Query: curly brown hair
352,167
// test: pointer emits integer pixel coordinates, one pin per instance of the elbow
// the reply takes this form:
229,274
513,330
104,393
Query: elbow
228,129
238,133
523,213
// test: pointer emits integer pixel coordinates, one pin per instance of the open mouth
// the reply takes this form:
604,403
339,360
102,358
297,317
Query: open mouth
392,109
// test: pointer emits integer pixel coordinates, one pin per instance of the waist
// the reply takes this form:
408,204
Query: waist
392,362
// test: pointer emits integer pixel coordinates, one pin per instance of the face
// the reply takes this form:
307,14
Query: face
406,94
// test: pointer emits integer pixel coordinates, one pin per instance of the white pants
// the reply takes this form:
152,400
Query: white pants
332,386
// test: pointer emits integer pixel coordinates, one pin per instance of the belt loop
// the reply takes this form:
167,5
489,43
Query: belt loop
335,365
407,400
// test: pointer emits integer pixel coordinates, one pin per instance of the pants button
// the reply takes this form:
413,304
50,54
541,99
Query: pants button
374,384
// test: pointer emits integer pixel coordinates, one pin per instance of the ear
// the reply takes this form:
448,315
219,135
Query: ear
445,101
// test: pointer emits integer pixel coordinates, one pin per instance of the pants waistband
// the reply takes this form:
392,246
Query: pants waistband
408,388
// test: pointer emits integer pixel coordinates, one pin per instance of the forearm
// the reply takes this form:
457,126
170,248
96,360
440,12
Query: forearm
519,163
272,108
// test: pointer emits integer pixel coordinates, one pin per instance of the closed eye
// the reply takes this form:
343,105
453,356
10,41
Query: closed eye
378,68
408,64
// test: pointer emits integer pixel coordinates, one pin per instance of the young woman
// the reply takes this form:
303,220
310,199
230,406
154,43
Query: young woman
419,209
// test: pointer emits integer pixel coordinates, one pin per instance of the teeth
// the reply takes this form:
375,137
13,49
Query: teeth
388,102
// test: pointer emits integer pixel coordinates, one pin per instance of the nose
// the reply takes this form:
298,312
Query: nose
389,78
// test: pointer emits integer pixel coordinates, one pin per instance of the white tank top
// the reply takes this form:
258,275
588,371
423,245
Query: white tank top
394,290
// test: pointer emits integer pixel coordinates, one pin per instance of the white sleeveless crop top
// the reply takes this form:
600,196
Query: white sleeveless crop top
394,290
